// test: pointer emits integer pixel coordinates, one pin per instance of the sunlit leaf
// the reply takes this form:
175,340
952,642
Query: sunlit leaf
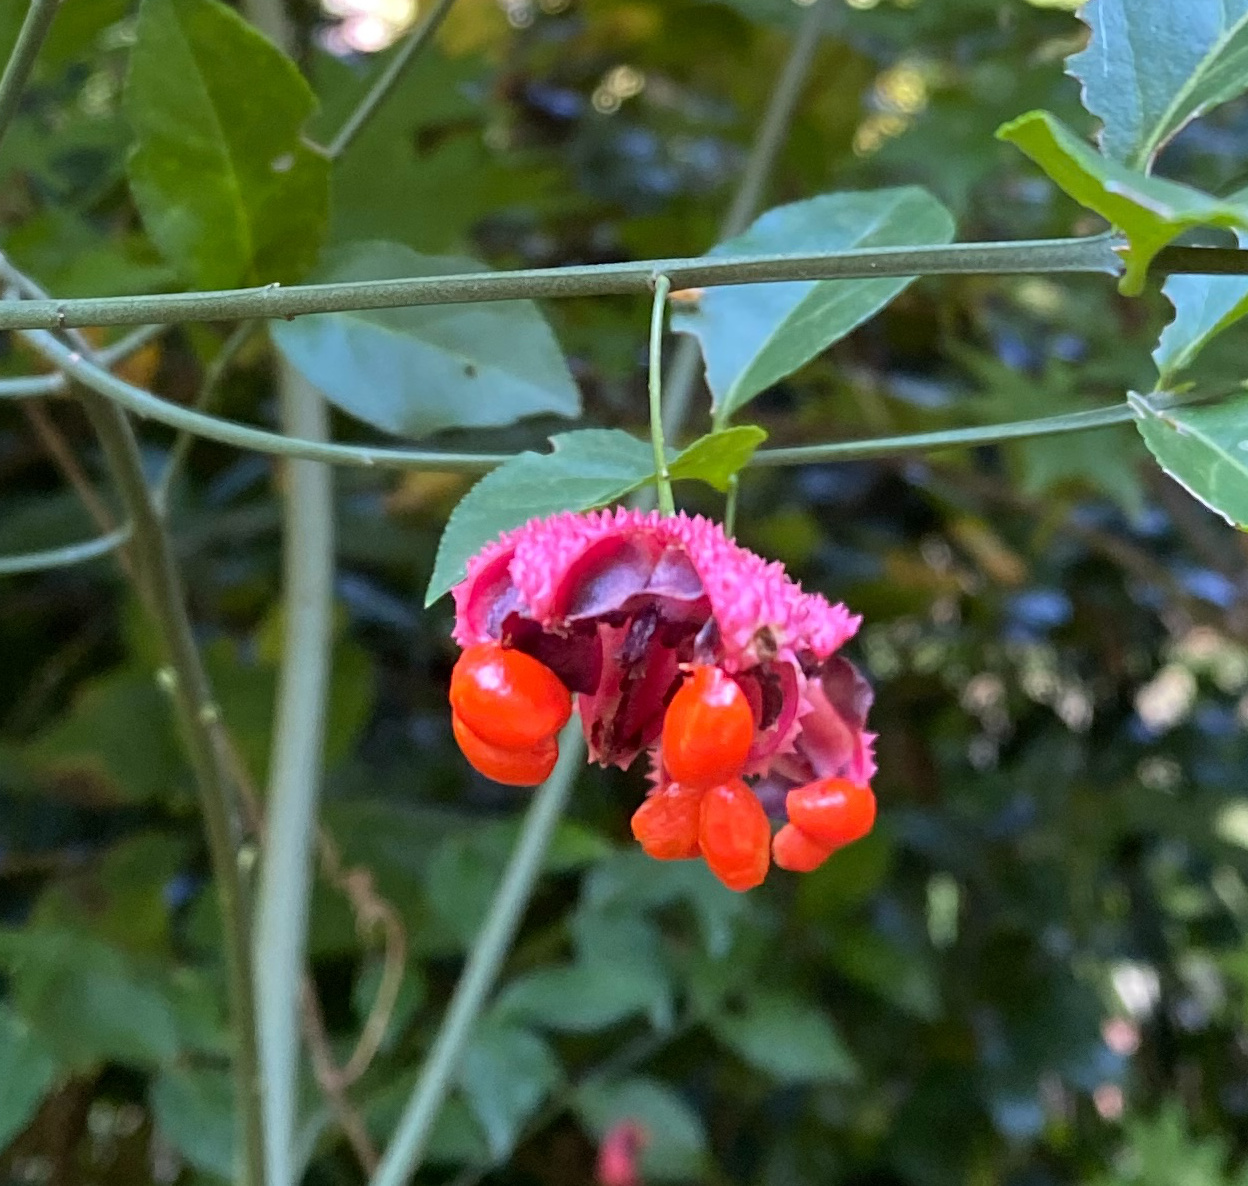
756,334
1202,447
716,457
1152,66
1150,211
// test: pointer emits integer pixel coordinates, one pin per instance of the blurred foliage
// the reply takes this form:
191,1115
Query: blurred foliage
1033,972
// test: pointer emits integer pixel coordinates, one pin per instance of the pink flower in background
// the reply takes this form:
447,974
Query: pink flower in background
619,1153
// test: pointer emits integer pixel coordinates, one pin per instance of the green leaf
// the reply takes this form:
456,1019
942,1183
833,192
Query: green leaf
1153,66
788,1038
1148,210
1204,306
27,1073
586,996
716,457
675,1140
95,742
754,335
194,1110
587,468
506,1075
87,1001
1203,448
416,371
227,188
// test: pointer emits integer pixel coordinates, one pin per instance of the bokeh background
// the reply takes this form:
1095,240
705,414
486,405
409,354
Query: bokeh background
1032,973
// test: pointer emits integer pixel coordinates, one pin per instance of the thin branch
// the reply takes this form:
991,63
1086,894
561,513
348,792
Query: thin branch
295,769
33,386
66,556
229,432
208,387
1091,254
658,313
489,950
30,39
55,446
386,81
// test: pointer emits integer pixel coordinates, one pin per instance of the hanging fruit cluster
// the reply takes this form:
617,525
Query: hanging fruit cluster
675,641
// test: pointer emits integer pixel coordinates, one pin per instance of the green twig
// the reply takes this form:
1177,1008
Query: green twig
1093,254
37,386
662,479
213,374
295,772
229,432
66,556
307,500
21,61
386,81
489,950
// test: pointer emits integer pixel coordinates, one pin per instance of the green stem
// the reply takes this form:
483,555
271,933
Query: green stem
66,556
30,37
1089,254
196,711
307,499
295,772
386,81
489,950
229,432
923,442
39,386
662,479
213,374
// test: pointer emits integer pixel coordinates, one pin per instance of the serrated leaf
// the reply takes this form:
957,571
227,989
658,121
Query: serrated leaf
1203,448
1152,66
587,468
788,1038
227,187
716,457
507,1073
27,1073
1204,306
416,371
674,1146
754,335
1150,211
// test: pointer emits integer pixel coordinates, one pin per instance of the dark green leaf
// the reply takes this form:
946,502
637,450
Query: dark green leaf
27,1073
227,187
754,335
94,740
1152,66
787,1037
87,1001
588,468
194,1110
716,457
1150,211
674,1145
416,371
1203,448
585,996
507,1074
